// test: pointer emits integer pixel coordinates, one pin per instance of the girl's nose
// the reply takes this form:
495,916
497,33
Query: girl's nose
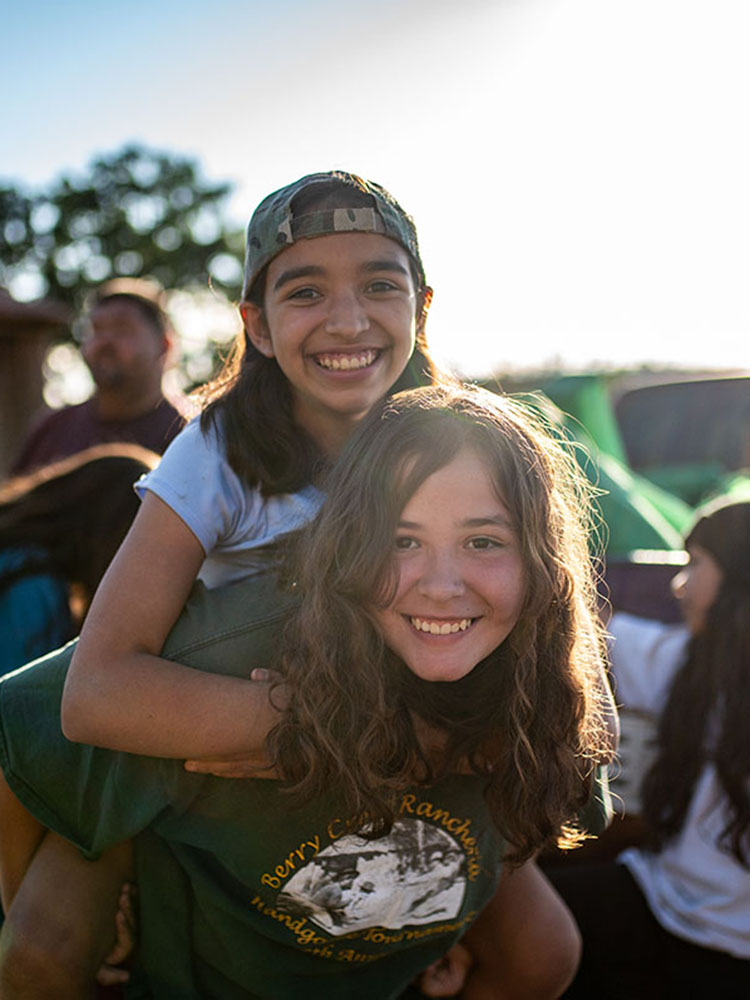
346,316
441,579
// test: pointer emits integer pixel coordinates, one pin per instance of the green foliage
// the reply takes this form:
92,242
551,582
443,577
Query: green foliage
136,212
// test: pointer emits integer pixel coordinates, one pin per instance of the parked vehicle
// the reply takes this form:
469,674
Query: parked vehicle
690,436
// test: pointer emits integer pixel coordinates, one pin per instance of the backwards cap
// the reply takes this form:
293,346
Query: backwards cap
274,226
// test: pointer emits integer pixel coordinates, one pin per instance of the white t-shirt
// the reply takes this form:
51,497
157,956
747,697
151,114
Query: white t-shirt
232,522
695,890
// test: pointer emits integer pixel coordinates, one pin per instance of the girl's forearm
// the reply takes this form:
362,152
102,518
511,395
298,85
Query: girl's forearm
153,706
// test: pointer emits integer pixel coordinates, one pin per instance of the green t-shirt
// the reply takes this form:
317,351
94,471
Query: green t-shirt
242,896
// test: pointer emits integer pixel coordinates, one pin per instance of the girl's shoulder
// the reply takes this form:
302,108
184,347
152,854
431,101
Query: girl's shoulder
196,453
231,519
194,479
645,656
200,434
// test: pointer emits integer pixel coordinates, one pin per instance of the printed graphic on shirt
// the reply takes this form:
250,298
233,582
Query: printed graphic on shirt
353,900
416,875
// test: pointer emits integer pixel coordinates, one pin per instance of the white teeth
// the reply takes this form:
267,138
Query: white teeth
440,628
346,362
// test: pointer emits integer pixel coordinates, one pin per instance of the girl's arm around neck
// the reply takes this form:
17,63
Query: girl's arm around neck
120,693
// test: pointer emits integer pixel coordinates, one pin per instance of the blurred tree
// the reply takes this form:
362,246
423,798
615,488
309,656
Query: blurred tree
135,212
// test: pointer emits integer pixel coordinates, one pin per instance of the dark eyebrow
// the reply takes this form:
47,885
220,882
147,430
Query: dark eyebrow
470,522
387,264
312,270
478,522
297,272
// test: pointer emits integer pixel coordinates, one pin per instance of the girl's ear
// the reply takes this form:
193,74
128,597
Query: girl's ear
423,307
256,329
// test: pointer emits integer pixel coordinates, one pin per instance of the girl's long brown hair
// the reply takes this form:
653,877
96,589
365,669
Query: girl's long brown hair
530,718
705,719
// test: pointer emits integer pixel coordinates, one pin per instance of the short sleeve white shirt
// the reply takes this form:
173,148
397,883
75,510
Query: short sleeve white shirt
231,520
695,890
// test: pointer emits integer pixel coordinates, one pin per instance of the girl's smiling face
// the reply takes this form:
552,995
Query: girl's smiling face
697,586
339,317
460,577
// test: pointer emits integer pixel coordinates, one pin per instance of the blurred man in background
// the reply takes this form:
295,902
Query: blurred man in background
126,344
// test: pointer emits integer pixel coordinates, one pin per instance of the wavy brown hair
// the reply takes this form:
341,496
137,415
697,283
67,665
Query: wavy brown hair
705,719
529,719
251,395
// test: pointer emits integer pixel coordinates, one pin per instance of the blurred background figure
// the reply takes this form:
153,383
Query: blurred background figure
60,526
126,345
669,918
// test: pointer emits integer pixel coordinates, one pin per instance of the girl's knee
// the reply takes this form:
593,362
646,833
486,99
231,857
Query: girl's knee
557,956
560,961
43,959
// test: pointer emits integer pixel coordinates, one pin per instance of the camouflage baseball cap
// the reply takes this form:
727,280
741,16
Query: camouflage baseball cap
274,226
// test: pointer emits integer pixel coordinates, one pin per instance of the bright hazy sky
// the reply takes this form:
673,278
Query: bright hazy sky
579,170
